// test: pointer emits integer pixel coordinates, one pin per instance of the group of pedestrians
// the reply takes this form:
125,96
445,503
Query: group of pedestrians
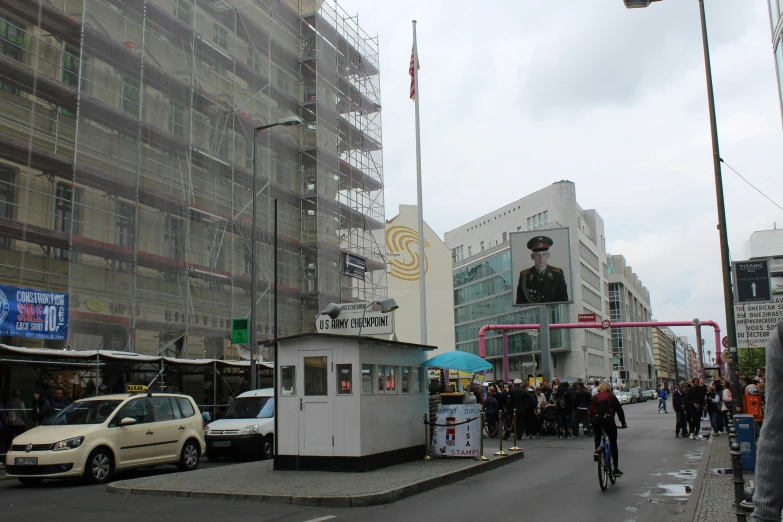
693,400
15,416
571,404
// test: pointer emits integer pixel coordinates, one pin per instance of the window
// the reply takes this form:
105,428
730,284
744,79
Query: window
6,201
417,373
248,257
137,409
367,374
344,379
381,379
282,79
11,38
70,66
391,379
316,376
482,246
219,34
161,409
288,381
175,408
125,230
505,236
130,96
405,374
470,251
546,216
185,407
519,229
63,213
175,237
529,223
176,118
182,10
256,61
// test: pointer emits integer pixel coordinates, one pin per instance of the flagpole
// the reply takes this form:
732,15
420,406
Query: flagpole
422,259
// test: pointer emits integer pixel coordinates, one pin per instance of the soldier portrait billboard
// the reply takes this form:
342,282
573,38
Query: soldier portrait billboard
541,267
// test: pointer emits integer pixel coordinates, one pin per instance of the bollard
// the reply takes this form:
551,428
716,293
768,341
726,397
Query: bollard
747,504
739,482
426,439
500,452
481,456
514,420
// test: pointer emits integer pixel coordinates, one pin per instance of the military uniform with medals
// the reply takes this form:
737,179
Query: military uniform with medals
548,286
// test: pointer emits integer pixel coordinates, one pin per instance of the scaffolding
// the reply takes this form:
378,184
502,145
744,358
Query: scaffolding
125,165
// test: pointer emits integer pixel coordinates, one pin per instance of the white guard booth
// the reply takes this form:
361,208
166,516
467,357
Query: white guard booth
348,403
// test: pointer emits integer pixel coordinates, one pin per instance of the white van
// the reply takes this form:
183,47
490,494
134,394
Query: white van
246,430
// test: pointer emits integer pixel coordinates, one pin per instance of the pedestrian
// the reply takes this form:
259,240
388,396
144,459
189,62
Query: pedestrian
41,407
678,405
517,399
582,399
59,402
694,405
16,417
491,410
768,499
662,400
565,407
530,419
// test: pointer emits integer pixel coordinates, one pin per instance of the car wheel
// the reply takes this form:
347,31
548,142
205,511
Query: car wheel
188,459
30,481
269,447
99,466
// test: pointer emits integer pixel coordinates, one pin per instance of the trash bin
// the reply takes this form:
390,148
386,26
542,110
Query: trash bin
746,437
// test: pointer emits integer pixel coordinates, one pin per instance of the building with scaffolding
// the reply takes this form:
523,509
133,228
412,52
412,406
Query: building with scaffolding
126,133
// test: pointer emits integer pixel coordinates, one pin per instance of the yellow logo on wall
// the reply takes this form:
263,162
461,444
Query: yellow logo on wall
402,245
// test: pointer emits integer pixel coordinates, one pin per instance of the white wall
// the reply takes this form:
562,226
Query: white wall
402,248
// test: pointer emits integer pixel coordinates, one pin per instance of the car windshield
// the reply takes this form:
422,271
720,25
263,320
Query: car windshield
251,408
84,412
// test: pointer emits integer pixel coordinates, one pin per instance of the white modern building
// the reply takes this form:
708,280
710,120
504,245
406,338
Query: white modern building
633,363
484,285
768,244
402,264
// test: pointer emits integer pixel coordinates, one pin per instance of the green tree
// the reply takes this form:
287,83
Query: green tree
750,359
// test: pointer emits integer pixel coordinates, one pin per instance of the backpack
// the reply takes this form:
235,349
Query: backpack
561,401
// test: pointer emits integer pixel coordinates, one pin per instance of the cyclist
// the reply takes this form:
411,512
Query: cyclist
603,407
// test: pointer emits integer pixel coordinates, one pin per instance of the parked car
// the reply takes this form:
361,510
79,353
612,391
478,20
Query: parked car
651,395
621,396
246,430
635,395
94,437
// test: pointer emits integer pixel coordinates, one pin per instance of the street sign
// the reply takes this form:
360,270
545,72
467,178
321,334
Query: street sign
725,355
756,322
353,319
752,281
239,331
605,324
725,341
586,318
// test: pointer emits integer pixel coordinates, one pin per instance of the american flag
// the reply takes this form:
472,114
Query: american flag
414,63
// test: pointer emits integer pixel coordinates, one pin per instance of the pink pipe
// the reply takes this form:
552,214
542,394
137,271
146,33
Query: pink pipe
571,326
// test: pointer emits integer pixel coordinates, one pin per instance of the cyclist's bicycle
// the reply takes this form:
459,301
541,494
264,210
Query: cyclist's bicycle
605,469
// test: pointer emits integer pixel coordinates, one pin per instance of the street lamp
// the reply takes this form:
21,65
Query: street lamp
728,298
387,304
333,310
290,120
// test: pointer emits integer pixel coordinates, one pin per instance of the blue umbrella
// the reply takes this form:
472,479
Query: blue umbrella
457,360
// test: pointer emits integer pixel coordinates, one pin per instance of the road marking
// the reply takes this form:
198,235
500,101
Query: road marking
321,519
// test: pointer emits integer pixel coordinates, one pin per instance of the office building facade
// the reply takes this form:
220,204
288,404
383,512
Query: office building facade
632,348
484,285
665,353
126,149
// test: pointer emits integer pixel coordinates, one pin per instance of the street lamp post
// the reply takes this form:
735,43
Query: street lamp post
291,120
728,297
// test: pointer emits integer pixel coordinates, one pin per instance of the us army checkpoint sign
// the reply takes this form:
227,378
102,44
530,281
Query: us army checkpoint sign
752,282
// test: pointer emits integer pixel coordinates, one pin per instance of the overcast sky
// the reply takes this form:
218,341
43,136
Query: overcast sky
516,95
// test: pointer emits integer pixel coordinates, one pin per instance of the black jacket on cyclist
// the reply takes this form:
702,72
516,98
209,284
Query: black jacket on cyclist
603,407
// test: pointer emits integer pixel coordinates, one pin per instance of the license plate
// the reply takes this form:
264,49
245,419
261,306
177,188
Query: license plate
26,461
221,444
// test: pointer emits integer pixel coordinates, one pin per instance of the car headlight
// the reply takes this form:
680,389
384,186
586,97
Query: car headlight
247,430
68,444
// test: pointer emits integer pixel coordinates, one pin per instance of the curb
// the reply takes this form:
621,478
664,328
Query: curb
370,499
690,508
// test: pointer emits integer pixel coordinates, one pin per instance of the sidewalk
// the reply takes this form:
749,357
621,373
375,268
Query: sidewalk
713,491
257,482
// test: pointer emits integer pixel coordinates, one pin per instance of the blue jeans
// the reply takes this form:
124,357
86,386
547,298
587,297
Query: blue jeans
564,420
662,405
716,419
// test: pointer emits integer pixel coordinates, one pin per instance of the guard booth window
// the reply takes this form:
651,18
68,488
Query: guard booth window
344,379
315,376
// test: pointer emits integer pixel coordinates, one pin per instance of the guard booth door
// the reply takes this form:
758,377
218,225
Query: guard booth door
316,404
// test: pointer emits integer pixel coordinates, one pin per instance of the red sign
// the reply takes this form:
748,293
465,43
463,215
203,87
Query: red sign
725,341
586,318
605,324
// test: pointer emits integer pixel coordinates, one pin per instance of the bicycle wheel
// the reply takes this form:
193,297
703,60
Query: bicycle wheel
610,469
602,473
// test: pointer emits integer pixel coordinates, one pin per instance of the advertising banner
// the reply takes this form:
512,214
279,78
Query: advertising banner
453,437
541,267
25,312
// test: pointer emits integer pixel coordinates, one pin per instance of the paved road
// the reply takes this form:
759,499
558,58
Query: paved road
556,481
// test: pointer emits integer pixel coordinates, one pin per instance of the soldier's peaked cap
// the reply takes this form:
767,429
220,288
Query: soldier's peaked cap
539,243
